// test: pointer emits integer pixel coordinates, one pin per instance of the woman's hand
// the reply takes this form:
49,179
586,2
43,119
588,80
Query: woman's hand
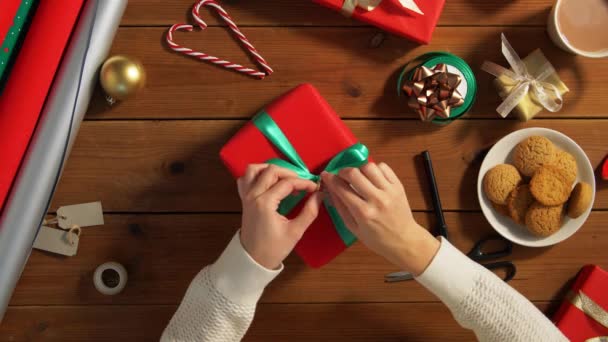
373,205
266,235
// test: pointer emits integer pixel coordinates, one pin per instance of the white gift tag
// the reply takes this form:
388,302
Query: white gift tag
82,215
56,241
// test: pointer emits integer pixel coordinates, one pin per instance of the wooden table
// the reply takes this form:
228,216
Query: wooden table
171,207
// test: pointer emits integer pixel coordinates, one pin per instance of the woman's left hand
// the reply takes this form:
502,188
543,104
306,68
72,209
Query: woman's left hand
266,235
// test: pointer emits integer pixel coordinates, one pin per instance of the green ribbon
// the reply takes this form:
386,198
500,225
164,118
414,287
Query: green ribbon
354,156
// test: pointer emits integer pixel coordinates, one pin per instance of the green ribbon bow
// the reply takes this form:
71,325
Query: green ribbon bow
354,156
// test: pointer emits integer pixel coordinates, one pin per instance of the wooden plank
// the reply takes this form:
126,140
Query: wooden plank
306,13
273,322
173,166
164,252
355,69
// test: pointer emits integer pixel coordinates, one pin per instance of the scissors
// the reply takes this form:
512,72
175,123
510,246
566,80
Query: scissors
478,252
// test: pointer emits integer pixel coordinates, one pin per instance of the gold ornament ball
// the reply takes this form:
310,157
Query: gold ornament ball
122,76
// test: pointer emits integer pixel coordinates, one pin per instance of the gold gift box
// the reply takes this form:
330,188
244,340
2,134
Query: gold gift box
528,107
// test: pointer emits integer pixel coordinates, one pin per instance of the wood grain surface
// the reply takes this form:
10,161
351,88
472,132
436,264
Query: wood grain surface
171,206
174,166
162,254
355,69
302,322
299,322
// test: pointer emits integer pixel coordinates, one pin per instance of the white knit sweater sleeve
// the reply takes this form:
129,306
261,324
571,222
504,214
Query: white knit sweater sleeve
484,303
220,302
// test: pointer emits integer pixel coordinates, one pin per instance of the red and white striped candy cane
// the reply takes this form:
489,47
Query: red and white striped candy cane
208,58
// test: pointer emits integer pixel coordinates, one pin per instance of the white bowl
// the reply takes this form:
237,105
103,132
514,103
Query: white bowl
500,154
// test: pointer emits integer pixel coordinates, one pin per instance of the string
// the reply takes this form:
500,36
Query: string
69,133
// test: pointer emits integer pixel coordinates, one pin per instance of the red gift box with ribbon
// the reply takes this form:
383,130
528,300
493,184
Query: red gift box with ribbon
319,137
583,316
412,19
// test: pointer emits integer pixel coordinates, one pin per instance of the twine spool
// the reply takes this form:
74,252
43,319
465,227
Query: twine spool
110,278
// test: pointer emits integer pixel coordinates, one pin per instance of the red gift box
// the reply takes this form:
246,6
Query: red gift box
584,314
317,134
390,15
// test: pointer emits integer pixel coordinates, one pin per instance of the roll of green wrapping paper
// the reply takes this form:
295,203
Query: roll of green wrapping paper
11,39
455,64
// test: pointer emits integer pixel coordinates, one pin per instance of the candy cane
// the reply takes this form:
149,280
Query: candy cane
211,59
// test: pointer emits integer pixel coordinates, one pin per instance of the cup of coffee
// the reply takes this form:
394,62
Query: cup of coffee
580,27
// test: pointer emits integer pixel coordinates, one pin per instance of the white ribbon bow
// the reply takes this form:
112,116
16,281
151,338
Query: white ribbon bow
545,93
348,7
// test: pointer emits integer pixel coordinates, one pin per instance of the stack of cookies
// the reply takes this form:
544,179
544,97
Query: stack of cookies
537,188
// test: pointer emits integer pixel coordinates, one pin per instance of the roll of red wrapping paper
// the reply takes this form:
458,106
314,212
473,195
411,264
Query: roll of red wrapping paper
29,82
53,137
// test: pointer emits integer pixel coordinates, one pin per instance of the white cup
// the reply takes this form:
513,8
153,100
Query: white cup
560,40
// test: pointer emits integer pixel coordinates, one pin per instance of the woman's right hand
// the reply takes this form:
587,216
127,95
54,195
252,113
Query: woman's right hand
372,202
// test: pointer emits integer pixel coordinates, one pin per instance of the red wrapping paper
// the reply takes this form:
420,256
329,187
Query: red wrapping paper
391,16
574,323
29,82
8,9
317,134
